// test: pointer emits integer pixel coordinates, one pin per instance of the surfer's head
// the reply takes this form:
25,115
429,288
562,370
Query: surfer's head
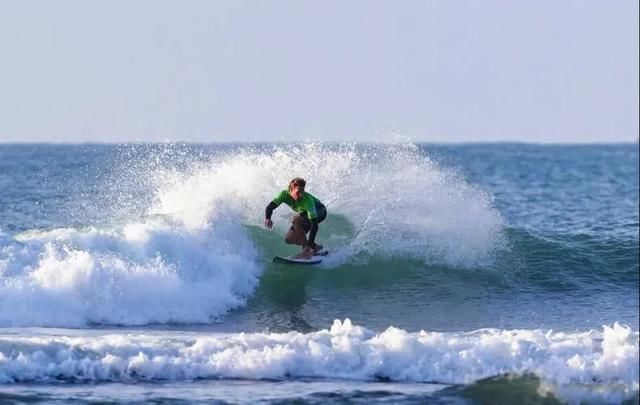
296,188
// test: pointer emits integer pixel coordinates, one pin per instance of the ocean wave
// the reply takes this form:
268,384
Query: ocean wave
140,273
601,365
577,259
199,248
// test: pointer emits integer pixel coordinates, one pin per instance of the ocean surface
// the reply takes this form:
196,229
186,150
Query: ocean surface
457,274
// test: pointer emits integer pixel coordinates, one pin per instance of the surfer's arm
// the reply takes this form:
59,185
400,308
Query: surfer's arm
267,214
269,210
275,203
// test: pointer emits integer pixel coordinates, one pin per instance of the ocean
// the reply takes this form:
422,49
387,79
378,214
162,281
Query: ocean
471,273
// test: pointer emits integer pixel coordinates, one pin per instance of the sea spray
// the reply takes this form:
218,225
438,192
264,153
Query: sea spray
398,202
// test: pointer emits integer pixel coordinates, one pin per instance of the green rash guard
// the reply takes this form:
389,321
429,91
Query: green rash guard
307,204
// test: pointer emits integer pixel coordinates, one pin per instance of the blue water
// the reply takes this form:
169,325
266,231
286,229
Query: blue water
527,248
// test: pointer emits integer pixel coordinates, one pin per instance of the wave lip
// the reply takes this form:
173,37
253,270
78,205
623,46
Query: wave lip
569,364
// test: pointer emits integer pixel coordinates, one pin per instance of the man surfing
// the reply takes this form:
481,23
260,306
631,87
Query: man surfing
310,213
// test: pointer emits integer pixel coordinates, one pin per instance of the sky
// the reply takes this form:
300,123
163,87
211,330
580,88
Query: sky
243,71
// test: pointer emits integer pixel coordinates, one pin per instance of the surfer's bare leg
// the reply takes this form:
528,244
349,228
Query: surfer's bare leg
296,234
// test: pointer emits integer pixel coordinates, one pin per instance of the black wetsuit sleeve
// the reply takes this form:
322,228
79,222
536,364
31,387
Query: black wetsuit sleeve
312,234
269,210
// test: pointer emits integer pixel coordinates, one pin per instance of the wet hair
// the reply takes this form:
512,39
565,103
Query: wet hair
297,182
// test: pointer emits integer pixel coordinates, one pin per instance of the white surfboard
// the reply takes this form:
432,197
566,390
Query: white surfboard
315,259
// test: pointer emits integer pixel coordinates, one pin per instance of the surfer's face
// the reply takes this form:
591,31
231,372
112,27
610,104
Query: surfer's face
296,192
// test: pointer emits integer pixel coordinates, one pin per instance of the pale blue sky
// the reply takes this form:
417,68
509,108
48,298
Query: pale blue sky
436,71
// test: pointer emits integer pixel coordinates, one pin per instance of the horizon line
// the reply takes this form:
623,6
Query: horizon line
400,141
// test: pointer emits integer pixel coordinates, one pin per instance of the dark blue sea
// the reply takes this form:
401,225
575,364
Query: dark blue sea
473,273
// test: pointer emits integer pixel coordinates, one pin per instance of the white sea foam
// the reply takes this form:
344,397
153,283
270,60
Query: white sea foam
147,272
592,365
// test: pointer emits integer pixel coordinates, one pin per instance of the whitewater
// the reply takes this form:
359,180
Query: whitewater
453,269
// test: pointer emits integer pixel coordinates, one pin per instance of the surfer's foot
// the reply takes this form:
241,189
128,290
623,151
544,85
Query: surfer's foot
317,248
305,254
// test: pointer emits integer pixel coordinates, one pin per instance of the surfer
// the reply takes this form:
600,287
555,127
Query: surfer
310,213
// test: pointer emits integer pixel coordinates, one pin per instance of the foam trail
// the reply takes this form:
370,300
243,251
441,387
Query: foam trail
591,366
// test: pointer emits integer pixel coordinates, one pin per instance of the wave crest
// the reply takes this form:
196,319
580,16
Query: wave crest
574,365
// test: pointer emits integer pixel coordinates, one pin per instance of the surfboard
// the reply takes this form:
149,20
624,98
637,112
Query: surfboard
315,259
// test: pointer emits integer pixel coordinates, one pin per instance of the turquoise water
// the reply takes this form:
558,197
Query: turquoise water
457,273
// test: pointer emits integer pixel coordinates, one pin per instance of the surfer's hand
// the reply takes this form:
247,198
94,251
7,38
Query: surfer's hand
268,223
